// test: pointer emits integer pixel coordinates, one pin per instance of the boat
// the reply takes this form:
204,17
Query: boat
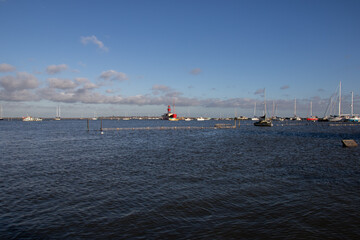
255,118
200,119
187,119
312,118
263,121
335,118
169,115
57,118
94,118
339,117
354,119
295,118
31,119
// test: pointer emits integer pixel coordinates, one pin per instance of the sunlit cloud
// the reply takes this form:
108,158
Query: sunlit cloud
93,39
4,67
284,87
53,69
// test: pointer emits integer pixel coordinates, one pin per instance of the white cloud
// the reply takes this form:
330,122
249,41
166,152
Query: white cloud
4,67
21,81
61,83
113,75
93,39
53,69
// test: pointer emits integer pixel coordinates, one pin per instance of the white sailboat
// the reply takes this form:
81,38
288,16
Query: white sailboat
296,118
255,118
57,118
353,118
338,117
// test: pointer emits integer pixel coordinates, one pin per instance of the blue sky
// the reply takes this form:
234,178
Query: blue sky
210,58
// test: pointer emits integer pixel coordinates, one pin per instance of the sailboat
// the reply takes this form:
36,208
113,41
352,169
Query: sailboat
311,118
264,122
57,118
255,118
353,118
334,118
296,118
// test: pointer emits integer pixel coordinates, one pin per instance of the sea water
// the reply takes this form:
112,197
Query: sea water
60,181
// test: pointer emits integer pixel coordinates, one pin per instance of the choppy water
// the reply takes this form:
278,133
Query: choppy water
58,181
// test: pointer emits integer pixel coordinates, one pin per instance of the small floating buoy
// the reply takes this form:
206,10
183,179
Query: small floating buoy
349,143
101,132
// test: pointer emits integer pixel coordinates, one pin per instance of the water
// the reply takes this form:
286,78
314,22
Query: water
58,181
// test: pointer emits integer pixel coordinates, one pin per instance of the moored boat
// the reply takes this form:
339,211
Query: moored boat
31,119
354,119
169,115
263,121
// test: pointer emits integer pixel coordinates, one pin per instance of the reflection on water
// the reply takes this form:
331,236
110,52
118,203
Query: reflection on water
59,181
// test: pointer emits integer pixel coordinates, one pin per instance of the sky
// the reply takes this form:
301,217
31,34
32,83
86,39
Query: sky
210,58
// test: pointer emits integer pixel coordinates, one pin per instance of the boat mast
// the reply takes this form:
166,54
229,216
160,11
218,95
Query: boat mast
264,103
311,109
352,104
340,99
255,109
295,108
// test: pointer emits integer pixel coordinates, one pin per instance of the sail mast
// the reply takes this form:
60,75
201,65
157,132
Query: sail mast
340,99
265,103
255,110
352,104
